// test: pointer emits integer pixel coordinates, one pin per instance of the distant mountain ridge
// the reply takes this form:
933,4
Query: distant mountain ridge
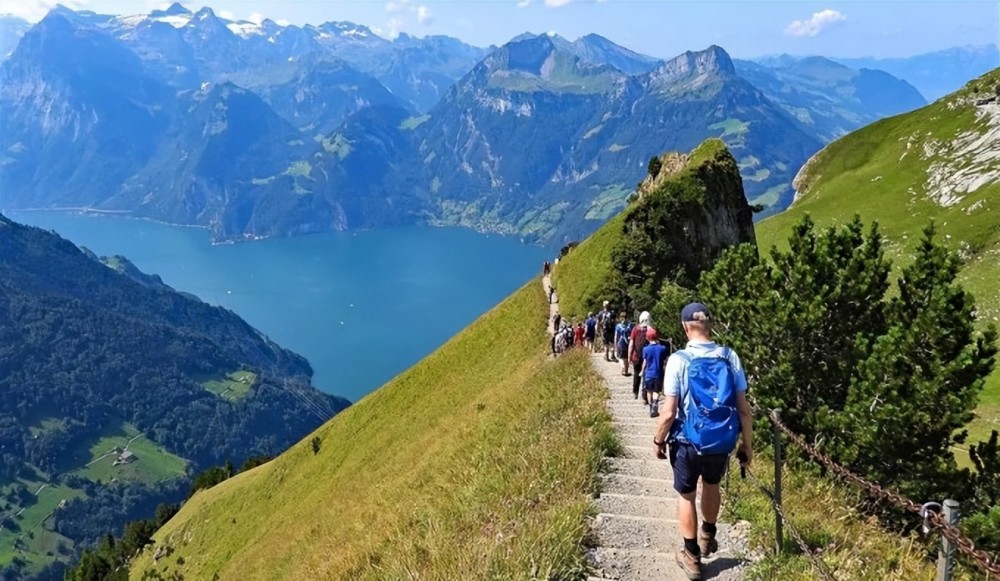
829,97
258,129
935,74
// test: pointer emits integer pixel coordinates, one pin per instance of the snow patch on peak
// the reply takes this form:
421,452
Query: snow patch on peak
130,21
175,20
244,29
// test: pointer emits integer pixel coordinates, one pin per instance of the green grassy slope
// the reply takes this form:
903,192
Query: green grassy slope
476,463
583,273
882,173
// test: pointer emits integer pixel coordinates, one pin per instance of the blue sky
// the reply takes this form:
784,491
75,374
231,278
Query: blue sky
661,28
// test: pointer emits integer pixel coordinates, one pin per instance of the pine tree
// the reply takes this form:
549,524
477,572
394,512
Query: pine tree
919,385
802,320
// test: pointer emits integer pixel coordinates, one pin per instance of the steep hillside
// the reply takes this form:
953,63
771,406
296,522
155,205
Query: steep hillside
477,463
939,163
97,359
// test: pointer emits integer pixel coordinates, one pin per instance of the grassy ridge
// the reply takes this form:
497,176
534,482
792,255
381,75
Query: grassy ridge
880,172
476,463
583,273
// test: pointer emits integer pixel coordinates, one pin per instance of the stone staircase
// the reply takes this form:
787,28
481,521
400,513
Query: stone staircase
636,527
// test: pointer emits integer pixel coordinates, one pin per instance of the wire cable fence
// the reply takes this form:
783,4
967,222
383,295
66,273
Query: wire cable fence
933,515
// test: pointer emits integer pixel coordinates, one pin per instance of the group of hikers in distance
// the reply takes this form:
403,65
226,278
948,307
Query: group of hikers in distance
698,393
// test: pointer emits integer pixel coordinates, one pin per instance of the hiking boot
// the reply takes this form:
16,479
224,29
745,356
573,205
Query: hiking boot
690,564
707,543
653,413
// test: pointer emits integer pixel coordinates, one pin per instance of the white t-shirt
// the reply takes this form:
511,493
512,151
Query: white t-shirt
675,376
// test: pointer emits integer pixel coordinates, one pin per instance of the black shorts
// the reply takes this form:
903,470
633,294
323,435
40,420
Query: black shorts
654,385
689,466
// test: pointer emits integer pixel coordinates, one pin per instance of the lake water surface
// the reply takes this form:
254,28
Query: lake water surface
362,307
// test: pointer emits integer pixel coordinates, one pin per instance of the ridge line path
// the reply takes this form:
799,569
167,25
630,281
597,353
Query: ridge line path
636,524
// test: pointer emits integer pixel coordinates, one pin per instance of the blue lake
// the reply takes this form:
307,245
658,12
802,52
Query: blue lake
362,307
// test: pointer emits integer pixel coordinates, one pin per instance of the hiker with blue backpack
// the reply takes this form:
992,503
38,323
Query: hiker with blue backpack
703,413
622,331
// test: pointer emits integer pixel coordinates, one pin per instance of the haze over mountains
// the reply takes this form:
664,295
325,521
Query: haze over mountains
259,129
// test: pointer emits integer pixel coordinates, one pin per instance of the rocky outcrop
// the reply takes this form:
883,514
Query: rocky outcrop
687,215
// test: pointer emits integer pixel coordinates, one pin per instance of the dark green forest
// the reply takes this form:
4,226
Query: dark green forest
85,349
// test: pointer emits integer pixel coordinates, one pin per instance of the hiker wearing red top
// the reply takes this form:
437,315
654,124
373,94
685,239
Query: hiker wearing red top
703,413
578,335
637,342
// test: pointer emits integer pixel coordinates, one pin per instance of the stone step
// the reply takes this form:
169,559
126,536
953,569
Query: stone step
638,452
638,440
630,425
645,467
632,505
637,564
623,484
633,532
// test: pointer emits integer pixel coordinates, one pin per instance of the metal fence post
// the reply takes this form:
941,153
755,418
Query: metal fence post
776,439
946,557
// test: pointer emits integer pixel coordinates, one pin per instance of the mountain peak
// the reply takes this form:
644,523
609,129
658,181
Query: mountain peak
175,9
711,60
205,13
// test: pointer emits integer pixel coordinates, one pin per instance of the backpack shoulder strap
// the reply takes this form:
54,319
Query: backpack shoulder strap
684,355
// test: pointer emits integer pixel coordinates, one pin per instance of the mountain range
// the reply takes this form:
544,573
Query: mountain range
936,74
261,129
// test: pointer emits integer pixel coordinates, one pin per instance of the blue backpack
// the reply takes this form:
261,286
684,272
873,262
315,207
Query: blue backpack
623,337
711,421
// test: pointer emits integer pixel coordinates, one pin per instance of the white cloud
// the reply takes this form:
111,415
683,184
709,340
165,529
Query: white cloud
256,17
815,24
405,12
227,14
424,15
35,10
553,3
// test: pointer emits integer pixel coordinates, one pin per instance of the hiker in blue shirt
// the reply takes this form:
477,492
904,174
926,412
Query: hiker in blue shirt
654,358
590,331
704,410
622,331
